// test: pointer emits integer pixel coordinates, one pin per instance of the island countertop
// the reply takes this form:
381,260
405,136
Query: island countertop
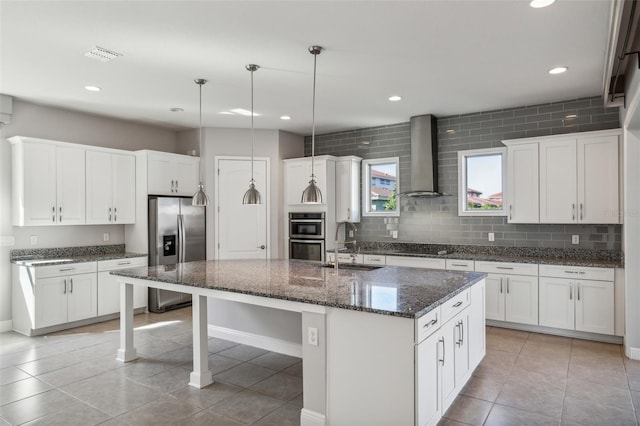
390,290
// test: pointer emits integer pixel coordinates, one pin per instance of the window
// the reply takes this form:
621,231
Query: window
380,187
481,177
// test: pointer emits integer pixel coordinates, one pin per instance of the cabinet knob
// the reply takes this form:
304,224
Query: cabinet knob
262,247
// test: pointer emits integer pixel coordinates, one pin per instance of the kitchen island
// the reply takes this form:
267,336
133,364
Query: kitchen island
385,346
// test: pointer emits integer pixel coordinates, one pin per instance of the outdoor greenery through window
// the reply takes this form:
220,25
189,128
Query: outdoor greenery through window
380,187
481,177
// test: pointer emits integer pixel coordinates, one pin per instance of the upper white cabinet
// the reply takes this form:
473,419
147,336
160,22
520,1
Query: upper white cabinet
297,175
110,188
522,183
348,189
172,174
48,182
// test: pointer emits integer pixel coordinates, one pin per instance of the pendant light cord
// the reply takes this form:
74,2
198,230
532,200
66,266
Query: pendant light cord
252,180
313,115
200,83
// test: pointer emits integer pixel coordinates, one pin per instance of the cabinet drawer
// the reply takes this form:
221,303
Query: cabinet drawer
456,304
460,265
65,269
415,262
427,324
344,258
374,259
581,272
113,264
507,268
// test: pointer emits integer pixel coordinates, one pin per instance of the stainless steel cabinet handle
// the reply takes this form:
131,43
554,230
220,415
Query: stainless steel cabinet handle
458,340
457,304
578,292
60,218
67,269
65,287
459,264
53,214
573,211
441,340
124,263
581,211
430,323
570,272
571,293
500,285
172,186
71,285
109,214
115,214
510,211
507,285
176,186
504,267
462,328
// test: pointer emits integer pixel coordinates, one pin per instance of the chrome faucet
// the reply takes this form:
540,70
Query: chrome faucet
335,247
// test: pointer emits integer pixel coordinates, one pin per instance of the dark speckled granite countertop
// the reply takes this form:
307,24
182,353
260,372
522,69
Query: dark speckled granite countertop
575,257
64,255
403,292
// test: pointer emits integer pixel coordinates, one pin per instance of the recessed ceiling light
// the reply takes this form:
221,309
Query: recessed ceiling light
177,109
537,4
101,54
558,70
93,88
285,117
395,98
243,111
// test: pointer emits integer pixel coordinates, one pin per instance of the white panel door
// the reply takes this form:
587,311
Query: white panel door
39,203
521,302
558,174
99,187
124,188
428,380
241,229
187,171
595,307
494,296
70,192
50,295
557,304
598,176
522,183
82,296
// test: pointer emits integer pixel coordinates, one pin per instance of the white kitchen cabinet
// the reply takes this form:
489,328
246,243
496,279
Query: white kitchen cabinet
416,262
522,183
111,183
579,180
348,189
459,265
48,182
297,175
477,330
511,291
428,379
577,298
172,174
353,258
109,288
374,259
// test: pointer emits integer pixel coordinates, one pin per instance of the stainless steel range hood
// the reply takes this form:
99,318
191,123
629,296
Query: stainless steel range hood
424,157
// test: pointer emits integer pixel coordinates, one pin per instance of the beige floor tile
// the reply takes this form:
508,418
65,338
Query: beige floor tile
287,415
588,348
74,413
600,394
549,339
635,397
12,374
22,389
280,385
217,345
508,332
298,401
589,412
294,370
557,367
144,367
162,411
247,406
501,415
605,362
219,363
168,380
80,371
181,356
157,347
496,365
536,379
208,418
468,410
208,396
34,407
482,388
47,364
506,343
113,422
448,422
245,375
546,350
242,352
602,376
275,361
523,392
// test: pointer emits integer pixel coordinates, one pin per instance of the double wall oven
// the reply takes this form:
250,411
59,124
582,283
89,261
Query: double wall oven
306,236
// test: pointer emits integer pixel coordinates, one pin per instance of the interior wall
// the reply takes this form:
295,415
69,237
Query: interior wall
68,126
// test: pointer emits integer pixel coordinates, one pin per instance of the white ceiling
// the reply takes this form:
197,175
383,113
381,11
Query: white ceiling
443,57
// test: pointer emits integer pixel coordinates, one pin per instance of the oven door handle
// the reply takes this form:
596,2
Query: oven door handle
306,241
306,220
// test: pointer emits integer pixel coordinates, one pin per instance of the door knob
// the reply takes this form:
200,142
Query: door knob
262,247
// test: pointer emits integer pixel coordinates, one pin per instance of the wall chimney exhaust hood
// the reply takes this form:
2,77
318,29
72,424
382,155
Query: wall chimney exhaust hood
424,157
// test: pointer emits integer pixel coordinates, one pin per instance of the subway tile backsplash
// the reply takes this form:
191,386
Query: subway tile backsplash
436,220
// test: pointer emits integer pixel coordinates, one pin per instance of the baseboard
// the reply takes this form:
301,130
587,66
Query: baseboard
256,340
311,418
557,331
6,326
632,353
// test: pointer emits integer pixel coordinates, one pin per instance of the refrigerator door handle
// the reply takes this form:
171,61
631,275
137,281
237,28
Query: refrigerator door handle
180,238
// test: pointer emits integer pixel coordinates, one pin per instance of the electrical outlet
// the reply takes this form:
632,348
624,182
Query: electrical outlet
575,239
105,236
492,236
312,336
394,234
34,240
350,233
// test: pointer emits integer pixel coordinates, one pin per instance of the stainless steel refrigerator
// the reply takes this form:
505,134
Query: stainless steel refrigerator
176,234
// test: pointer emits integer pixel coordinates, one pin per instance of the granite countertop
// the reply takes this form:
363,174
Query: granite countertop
64,255
589,258
390,290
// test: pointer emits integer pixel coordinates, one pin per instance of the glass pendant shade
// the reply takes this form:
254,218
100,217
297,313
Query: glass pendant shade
200,198
312,194
252,196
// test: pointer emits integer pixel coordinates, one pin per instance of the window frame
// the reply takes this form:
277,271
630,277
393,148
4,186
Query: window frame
462,181
366,187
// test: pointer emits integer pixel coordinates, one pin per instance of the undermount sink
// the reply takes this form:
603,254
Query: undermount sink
354,266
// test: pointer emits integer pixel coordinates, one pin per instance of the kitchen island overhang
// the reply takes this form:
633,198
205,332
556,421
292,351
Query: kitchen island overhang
394,298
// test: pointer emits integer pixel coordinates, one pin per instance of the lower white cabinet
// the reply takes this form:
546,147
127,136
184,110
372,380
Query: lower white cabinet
416,262
579,303
109,288
64,299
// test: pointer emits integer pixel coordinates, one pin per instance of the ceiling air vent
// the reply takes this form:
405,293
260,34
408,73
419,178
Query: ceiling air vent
101,54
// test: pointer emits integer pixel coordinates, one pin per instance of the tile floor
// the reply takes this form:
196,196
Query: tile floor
72,378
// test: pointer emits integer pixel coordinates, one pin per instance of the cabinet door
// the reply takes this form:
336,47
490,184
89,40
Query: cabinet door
461,345
123,174
108,294
296,180
50,296
82,297
522,183
594,307
187,171
348,190
99,187
448,335
160,174
557,303
70,192
558,190
428,354
477,331
598,180
39,186
521,302
494,308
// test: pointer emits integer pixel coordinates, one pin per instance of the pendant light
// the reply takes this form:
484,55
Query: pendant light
312,194
200,199
252,196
